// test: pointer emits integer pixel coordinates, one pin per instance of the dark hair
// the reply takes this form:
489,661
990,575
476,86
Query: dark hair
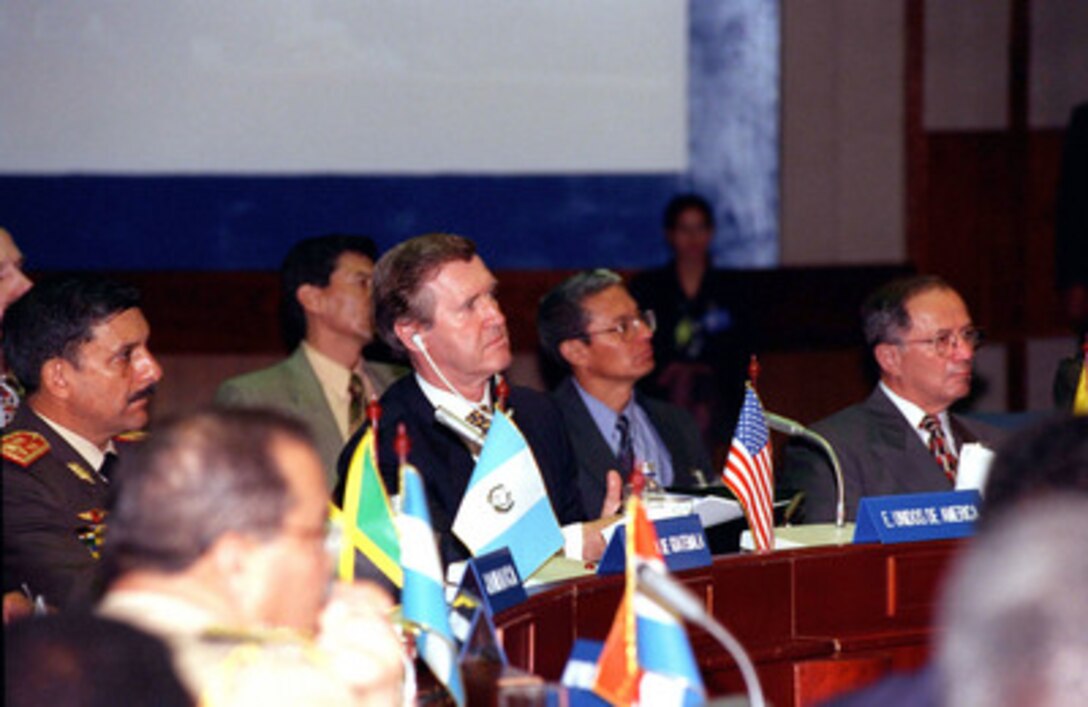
194,480
83,660
1051,456
681,203
884,316
400,276
560,316
55,317
311,262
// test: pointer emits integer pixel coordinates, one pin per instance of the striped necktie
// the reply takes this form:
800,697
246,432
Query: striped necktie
356,395
938,446
626,453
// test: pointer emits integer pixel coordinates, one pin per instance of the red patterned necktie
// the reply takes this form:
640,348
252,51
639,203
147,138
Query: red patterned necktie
938,446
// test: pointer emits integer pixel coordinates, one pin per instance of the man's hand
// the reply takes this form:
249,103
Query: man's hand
360,641
16,606
613,495
593,542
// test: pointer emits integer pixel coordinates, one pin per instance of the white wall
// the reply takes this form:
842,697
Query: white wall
360,86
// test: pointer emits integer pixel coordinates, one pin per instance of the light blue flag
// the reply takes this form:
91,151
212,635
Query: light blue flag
506,504
422,598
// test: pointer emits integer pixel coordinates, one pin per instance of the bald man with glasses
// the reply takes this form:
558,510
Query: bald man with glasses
902,439
592,327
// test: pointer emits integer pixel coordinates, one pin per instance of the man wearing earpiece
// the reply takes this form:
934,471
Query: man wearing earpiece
435,302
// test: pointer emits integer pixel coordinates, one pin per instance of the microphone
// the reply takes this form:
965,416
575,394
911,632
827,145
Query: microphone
472,436
463,429
674,595
795,429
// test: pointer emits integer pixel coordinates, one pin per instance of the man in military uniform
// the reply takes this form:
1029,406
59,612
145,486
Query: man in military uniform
78,345
217,545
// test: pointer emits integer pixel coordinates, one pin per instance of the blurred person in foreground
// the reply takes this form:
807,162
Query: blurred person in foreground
1014,615
82,660
1042,467
218,545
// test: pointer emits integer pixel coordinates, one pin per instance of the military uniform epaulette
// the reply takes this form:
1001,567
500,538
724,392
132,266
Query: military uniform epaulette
131,436
24,447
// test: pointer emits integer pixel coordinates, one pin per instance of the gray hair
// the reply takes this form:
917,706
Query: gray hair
884,315
194,480
1014,612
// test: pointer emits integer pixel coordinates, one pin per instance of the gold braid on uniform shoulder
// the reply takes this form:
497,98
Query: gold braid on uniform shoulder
131,436
24,447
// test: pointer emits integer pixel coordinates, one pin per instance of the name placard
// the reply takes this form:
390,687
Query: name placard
580,673
682,542
494,578
916,517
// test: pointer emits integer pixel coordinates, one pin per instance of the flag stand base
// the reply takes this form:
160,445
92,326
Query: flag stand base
794,536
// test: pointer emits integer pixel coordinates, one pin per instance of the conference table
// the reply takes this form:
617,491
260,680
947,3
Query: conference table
815,621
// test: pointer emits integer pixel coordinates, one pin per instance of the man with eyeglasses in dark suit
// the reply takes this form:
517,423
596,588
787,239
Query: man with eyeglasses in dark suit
902,439
592,327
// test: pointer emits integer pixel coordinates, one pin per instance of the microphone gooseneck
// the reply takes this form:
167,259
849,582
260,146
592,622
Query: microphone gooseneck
795,429
674,595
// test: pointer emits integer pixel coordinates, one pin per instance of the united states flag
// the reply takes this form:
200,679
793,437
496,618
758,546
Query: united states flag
748,472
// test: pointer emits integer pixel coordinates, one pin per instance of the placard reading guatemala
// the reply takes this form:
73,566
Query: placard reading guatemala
682,542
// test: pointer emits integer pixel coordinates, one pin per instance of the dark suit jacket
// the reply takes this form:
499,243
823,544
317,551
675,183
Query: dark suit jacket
292,387
880,455
446,464
595,458
43,504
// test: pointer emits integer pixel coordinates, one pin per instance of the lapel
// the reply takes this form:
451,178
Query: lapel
306,392
439,451
904,463
590,447
961,433
68,462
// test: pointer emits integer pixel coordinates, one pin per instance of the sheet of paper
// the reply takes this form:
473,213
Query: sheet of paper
974,467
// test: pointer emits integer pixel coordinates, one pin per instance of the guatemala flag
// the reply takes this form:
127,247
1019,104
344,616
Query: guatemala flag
647,659
424,605
506,504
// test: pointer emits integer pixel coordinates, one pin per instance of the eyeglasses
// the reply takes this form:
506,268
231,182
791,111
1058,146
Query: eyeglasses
946,342
629,327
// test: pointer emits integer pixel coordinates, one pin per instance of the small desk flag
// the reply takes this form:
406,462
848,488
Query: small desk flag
647,659
367,518
748,472
506,504
1080,397
422,598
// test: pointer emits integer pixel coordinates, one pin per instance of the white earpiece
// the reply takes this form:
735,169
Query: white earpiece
417,339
